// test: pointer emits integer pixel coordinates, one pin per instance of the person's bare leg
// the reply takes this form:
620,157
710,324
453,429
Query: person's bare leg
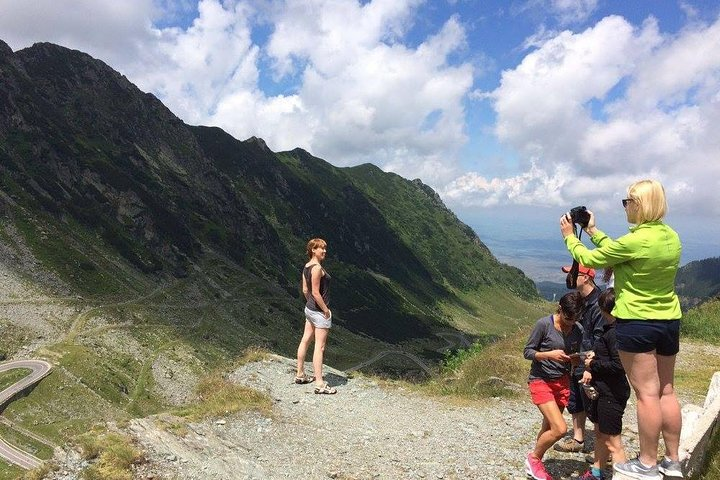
615,448
642,372
669,406
307,337
321,335
552,430
578,421
544,427
602,453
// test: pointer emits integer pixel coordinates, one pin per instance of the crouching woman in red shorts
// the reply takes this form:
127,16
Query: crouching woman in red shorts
549,347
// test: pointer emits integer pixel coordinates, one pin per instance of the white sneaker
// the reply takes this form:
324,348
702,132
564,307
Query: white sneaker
635,469
670,468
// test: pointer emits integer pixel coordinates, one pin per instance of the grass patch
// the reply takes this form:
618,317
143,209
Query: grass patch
711,470
142,400
219,397
8,471
41,472
13,337
170,423
485,370
696,364
703,322
112,377
54,251
454,359
115,455
25,443
252,354
61,407
493,311
13,376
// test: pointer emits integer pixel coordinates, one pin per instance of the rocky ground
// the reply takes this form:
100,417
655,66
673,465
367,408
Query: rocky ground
365,431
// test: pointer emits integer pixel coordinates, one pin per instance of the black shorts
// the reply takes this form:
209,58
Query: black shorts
640,336
607,413
579,401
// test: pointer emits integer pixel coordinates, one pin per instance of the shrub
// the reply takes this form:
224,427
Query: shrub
218,396
115,456
485,370
454,359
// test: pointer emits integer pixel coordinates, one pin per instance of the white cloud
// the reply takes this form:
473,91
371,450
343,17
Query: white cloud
564,12
533,187
573,11
112,31
544,98
601,108
365,96
194,69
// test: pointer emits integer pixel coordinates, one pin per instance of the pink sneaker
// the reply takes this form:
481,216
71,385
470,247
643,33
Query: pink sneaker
535,468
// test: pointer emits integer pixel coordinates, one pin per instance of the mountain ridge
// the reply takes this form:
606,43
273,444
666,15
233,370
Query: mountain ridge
89,156
136,249
698,281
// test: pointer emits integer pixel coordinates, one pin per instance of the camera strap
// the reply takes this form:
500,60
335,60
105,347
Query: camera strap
571,279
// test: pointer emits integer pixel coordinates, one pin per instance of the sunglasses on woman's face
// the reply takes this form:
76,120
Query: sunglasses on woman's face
625,201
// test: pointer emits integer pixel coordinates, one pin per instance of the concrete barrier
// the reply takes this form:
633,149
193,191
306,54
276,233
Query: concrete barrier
699,425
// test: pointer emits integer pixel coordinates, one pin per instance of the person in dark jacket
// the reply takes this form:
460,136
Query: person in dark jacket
592,322
609,380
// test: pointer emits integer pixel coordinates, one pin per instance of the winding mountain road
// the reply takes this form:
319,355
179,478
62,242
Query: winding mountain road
40,369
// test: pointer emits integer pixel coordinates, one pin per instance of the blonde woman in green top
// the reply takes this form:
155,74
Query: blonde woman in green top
647,309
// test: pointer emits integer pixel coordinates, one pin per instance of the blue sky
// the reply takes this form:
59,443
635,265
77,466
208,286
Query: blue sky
513,111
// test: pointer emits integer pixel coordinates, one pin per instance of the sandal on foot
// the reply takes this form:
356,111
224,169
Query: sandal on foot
303,379
325,389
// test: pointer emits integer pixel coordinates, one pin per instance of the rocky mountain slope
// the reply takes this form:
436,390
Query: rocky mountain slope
698,281
88,156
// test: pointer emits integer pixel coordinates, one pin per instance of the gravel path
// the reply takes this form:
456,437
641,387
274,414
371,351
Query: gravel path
365,431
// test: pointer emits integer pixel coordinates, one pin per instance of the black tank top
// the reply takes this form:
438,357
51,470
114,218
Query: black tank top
324,287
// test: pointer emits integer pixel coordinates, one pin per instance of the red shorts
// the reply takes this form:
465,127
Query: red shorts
544,391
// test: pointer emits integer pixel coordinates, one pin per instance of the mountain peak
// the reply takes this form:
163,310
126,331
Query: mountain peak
5,49
258,142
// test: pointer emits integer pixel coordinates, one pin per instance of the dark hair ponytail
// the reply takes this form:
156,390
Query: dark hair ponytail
571,305
606,300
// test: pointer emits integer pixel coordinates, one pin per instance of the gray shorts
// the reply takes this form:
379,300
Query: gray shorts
318,318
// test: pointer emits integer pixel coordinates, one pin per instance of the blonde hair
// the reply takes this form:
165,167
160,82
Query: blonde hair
313,244
649,199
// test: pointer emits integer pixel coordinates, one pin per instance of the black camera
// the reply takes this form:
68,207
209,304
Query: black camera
580,216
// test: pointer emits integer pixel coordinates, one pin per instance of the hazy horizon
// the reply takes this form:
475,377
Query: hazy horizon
529,238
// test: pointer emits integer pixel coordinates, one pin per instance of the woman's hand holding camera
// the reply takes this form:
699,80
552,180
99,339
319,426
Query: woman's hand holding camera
566,224
590,229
